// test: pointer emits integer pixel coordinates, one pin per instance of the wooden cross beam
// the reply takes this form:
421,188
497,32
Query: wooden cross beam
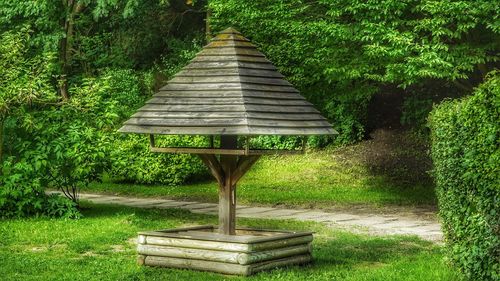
228,171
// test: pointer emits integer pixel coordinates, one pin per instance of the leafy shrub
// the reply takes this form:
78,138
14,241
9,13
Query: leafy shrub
22,193
276,142
25,83
348,110
119,93
66,145
57,206
288,142
466,154
132,160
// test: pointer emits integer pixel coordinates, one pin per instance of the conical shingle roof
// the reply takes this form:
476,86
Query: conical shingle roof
229,88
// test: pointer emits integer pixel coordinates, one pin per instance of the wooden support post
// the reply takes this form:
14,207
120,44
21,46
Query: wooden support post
152,141
244,164
214,166
227,190
228,171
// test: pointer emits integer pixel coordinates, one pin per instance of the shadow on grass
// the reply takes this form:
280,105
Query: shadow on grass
149,215
84,249
331,247
352,250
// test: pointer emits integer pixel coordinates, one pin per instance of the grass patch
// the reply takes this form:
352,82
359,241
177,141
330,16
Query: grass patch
317,179
100,247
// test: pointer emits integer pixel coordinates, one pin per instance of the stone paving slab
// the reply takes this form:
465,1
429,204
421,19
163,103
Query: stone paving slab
142,204
105,200
130,202
90,196
281,213
198,206
252,211
376,224
401,224
340,218
209,211
308,215
367,221
173,204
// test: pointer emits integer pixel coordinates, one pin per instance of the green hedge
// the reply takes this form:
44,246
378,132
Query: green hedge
466,155
133,162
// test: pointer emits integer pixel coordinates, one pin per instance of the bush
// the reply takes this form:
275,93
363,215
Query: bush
22,193
25,82
133,162
466,153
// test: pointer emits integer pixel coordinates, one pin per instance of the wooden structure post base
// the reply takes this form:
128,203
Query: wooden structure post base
225,249
228,170
203,248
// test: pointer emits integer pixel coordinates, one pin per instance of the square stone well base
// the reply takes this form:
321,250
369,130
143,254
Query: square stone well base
203,248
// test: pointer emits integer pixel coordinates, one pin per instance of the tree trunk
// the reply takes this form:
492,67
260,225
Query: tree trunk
72,9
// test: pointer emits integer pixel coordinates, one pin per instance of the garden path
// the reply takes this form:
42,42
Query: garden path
417,221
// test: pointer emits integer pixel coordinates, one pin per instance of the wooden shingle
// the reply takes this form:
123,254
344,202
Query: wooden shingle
229,88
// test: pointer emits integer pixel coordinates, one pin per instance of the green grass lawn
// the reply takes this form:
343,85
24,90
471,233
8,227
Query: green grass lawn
100,247
317,179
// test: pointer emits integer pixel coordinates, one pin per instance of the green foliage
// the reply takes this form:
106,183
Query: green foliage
288,142
339,52
90,35
348,109
65,146
24,84
23,79
276,142
133,162
66,142
466,155
22,193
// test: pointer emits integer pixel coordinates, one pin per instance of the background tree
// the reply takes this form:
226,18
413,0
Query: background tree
24,81
340,53
72,70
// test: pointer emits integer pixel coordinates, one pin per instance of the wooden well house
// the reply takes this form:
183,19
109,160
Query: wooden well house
231,92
